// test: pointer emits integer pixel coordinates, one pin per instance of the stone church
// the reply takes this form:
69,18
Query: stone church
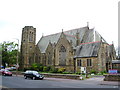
72,49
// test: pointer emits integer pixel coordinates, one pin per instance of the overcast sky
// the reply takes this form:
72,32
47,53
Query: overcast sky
51,16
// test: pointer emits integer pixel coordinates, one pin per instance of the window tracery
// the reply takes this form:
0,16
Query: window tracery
62,56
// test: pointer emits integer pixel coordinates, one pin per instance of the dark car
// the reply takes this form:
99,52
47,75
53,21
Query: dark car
6,73
33,75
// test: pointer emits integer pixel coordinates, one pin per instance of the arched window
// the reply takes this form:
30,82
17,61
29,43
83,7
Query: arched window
62,49
49,58
62,56
30,37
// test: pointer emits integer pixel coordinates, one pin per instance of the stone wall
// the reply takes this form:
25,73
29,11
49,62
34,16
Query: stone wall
62,76
112,77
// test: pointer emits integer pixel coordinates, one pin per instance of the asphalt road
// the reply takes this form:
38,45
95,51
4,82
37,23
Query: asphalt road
20,82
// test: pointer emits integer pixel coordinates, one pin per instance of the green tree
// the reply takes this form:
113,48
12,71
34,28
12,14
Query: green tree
9,53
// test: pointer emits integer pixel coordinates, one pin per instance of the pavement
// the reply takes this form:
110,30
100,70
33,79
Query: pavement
100,81
114,83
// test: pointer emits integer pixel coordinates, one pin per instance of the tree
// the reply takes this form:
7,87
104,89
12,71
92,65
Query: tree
9,53
118,53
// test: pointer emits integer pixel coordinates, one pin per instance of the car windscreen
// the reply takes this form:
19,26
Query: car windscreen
7,71
35,72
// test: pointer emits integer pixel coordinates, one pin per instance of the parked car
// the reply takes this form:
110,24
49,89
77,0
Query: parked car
8,68
6,73
13,68
1,70
2,66
33,75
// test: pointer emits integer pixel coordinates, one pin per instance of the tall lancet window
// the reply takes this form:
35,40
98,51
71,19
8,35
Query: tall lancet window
62,56
49,58
31,37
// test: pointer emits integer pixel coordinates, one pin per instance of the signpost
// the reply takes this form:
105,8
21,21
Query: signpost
113,71
83,69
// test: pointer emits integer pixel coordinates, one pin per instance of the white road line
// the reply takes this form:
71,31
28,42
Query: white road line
3,87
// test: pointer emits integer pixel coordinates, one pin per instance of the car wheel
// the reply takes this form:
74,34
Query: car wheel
25,77
33,78
4,74
41,79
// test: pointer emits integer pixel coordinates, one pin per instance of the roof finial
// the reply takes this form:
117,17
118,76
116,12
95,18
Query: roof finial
62,30
87,24
42,34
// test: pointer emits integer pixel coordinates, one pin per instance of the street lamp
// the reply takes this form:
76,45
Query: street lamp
17,65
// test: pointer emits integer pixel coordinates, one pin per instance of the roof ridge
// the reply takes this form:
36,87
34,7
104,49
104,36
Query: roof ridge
76,28
51,34
65,31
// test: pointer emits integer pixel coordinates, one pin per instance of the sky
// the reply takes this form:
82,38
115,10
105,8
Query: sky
51,16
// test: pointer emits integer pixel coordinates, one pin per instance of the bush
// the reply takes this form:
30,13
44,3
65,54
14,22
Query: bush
103,72
83,73
61,70
37,67
46,68
78,73
54,70
93,71
34,66
49,68
40,68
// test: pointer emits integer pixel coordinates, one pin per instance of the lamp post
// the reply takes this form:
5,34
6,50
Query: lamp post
17,65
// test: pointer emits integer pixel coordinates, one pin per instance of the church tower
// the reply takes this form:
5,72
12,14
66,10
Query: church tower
28,41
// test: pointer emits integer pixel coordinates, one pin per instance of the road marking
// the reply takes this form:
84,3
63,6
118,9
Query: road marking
3,87
115,86
6,88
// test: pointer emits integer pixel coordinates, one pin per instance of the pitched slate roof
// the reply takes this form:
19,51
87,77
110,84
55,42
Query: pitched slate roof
87,49
44,41
85,35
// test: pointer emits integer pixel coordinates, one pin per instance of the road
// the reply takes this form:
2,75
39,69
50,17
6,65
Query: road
20,82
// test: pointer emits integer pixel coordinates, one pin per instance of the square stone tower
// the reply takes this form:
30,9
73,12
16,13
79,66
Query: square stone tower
28,42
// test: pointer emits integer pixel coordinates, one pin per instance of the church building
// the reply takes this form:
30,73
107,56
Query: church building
72,49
